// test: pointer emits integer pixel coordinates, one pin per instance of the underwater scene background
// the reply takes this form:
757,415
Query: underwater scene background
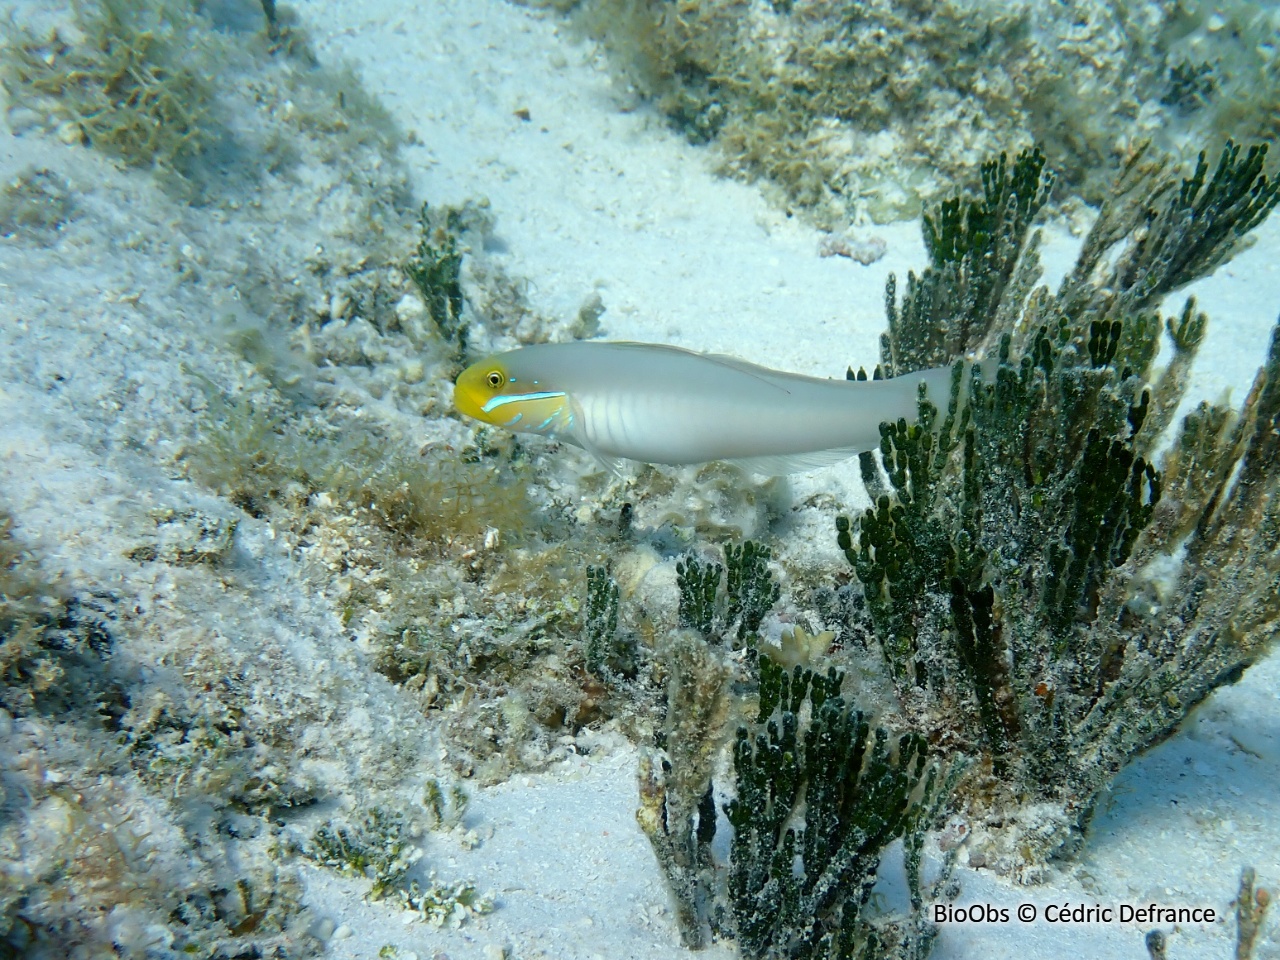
295,660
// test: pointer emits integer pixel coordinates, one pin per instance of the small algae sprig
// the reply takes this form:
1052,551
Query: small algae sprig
381,845
435,269
817,792
975,250
600,622
677,806
751,589
750,593
1042,592
677,801
820,795
1251,910
130,84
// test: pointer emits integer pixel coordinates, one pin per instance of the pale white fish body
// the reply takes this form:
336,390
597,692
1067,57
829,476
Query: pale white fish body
663,404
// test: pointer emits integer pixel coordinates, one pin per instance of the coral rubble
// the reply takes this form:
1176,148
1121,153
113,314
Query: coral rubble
871,109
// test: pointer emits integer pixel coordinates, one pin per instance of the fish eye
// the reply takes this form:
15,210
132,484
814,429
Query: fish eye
495,379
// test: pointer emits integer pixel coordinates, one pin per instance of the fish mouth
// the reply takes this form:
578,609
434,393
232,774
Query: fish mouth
469,401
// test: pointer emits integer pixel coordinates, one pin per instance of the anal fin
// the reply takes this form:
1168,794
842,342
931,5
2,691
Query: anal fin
781,464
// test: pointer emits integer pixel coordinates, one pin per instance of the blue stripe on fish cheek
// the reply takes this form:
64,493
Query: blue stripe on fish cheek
514,420
495,402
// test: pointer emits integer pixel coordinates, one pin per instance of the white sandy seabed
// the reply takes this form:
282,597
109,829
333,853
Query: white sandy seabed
590,197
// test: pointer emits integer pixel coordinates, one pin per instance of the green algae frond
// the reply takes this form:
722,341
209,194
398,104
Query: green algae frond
1010,563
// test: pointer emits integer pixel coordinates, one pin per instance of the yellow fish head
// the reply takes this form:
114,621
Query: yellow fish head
490,392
